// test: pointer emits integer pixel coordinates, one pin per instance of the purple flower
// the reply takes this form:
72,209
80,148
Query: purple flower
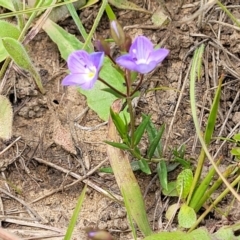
142,57
84,69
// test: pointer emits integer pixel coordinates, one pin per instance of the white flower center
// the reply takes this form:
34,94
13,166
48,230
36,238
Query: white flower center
91,72
141,61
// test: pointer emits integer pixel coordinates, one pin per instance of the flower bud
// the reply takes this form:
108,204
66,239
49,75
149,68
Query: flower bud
102,46
117,32
127,44
99,235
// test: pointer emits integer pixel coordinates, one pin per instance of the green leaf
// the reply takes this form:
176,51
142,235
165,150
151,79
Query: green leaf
225,233
143,164
140,130
171,190
7,4
162,174
118,145
184,182
235,151
124,4
98,100
6,118
186,216
66,42
76,212
7,30
19,55
159,17
236,137
155,145
171,211
200,233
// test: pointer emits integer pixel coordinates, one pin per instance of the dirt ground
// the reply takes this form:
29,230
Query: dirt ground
34,170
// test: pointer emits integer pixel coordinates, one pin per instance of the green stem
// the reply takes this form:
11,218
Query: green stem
229,13
95,24
197,174
110,86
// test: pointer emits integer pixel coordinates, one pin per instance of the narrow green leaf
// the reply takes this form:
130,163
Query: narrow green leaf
140,130
200,191
134,166
114,93
66,42
6,118
78,23
152,133
213,114
162,174
155,146
19,55
186,216
118,145
143,164
120,125
184,182
76,212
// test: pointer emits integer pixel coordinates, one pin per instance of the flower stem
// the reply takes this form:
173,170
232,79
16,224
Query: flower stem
110,86
138,86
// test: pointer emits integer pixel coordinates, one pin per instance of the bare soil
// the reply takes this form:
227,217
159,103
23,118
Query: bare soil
45,122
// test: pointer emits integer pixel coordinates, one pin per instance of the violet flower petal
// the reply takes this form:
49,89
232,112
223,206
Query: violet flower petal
97,59
74,79
84,69
78,60
141,48
127,62
142,57
158,55
145,68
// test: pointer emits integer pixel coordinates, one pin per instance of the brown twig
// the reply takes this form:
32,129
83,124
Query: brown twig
79,178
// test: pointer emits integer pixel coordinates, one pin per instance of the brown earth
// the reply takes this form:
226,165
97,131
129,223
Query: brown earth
42,121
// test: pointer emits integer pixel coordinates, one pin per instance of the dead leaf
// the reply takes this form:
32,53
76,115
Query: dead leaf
62,137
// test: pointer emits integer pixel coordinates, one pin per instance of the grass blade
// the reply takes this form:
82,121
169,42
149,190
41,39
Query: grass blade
77,209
